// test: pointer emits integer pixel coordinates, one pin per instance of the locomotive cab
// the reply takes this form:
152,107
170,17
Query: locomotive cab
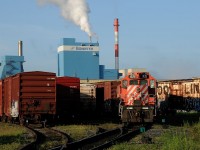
138,98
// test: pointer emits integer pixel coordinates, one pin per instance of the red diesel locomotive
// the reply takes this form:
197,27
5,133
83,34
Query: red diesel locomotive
138,97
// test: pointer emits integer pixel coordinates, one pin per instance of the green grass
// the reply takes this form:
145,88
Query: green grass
131,146
175,138
12,136
109,126
77,132
178,140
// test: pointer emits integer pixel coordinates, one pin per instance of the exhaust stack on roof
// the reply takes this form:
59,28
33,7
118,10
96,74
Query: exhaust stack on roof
20,44
116,25
20,53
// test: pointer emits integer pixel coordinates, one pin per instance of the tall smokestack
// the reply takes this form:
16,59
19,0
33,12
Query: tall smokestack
20,44
20,53
116,25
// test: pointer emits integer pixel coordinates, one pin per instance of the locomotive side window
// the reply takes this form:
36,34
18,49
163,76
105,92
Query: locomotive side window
133,82
143,82
124,84
152,84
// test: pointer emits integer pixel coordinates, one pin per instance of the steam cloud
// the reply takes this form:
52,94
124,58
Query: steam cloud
74,10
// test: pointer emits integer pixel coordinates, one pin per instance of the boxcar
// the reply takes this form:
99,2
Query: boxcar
179,95
1,98
68,97
100,97
88,98
163,92
111,90
7,99
30,96
111,97
191,94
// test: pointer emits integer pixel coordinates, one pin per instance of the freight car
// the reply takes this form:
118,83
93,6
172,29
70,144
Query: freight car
100,98
28,96
1,98
67,97
178,95
111,98
138,98
88,99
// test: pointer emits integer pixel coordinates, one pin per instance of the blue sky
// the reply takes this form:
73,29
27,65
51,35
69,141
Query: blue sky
161,36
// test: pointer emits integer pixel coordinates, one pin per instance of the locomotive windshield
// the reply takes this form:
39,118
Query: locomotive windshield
136,82
133,82
143,82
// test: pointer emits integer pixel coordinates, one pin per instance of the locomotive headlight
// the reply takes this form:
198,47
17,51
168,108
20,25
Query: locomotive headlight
129,108
145,108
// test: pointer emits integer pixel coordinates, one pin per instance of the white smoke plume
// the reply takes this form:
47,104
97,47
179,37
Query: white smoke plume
74,10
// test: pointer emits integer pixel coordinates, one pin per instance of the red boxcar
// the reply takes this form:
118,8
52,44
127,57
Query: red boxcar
68,96
111,90
108,97
111,97
30,95
7,85
1,98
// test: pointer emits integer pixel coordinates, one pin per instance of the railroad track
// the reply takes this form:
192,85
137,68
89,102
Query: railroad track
105,139
46,139
59,140
94,141
126,136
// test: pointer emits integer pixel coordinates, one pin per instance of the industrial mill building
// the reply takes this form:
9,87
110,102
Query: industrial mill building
80,59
